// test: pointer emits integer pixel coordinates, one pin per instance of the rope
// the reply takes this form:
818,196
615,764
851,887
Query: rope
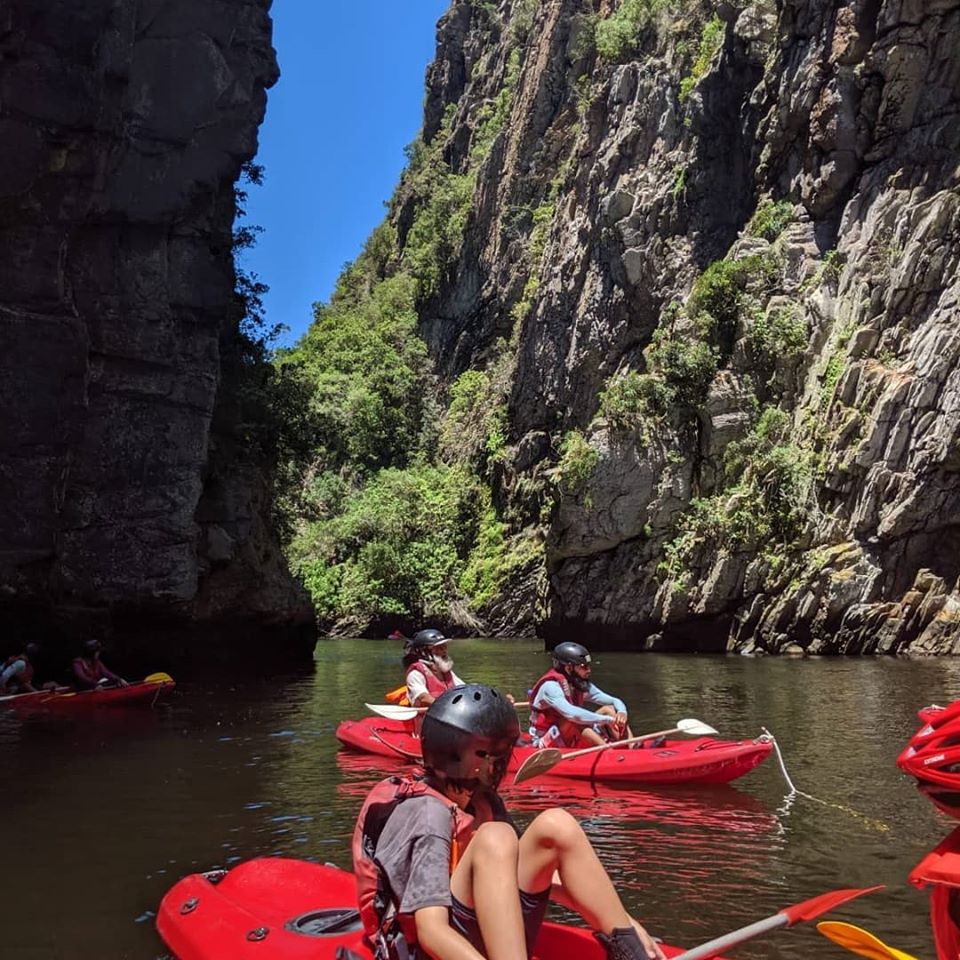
870,822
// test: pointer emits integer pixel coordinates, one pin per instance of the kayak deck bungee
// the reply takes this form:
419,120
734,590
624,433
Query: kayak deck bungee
142,690
699,760
275,908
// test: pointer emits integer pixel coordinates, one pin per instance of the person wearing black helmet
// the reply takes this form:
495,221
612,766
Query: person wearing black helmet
90,672
442,870
557,714
429,667
16,674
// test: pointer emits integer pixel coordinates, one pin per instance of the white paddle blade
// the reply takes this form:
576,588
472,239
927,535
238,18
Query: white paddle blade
392,712
696,728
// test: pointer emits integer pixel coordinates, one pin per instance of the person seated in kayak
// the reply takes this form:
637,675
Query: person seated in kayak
429,667
557,715
90,672
441,868
17,673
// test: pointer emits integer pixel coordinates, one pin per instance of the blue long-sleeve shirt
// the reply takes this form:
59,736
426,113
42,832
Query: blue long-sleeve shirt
551,695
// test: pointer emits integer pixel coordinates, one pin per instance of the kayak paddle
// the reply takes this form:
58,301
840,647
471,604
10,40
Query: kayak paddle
393,712
857,940
160,677
787,917
547,758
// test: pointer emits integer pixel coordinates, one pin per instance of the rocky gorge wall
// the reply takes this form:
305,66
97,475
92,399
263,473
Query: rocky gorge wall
127,497
715,248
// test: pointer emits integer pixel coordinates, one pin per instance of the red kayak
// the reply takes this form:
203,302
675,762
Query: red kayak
700,760
279,909
147,689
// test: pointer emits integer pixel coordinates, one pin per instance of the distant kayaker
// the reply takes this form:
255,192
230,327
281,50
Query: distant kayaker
557,715
90,672
441,866
429,667
16,675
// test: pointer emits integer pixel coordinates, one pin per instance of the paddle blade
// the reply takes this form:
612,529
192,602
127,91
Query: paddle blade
537,763
696,728
860,941
159,677
392,712
816,906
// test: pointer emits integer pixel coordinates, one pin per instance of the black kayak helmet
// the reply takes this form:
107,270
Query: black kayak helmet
468,735
427,638
570,653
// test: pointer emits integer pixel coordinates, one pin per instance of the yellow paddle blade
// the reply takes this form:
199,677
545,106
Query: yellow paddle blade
860,941
160,677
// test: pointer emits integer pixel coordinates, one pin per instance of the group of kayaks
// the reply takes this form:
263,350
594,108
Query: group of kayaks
285,909
62,699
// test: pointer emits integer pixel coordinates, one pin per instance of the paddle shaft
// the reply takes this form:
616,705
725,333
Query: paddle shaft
619,743
716,946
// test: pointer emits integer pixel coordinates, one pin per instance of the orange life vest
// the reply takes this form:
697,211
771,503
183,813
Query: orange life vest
381,922
543,719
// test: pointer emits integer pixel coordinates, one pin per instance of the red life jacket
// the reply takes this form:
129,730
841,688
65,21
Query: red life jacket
381,922
24,678
435,685
543,719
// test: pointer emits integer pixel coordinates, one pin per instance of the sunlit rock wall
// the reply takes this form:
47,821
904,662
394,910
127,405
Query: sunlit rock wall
850,111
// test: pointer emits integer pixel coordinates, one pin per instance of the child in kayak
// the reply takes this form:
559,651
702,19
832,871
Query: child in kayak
90,672
440,865
557,714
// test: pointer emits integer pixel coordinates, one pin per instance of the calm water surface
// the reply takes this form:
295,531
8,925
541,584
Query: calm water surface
100,815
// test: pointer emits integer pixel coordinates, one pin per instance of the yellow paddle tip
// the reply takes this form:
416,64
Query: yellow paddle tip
860,941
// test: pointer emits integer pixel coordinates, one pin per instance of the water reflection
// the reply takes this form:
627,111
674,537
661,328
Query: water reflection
102,813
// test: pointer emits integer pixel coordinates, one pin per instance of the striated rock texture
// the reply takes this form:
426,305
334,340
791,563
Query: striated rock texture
748,454
125,492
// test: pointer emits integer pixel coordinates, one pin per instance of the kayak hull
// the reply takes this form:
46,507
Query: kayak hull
274,908
142,692
700,760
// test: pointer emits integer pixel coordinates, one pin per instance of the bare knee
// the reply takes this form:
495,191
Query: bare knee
555,827
495,840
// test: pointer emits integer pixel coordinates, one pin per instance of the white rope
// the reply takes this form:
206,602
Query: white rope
794,792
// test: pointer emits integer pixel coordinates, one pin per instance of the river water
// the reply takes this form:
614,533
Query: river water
101,814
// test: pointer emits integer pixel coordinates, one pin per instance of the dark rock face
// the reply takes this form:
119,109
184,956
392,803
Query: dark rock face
850,111
123,129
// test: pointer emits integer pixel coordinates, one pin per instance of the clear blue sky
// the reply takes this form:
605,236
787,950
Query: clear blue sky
349,99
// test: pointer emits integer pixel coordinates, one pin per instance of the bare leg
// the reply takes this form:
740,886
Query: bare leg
486,880
555,841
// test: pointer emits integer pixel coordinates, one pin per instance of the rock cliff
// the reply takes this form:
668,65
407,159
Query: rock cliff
126,492
716,246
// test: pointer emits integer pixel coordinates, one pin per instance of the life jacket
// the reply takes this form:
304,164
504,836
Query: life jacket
542,720
24,678
435,685
399,696
378,909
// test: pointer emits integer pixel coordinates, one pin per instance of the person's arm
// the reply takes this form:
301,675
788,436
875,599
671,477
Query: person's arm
551,694
14,672
105,671
596,695
439,939
417,689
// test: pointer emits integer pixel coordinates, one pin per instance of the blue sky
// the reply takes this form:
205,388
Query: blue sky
349,99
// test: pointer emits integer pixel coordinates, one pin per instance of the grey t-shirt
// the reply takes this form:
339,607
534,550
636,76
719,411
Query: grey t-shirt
414,851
